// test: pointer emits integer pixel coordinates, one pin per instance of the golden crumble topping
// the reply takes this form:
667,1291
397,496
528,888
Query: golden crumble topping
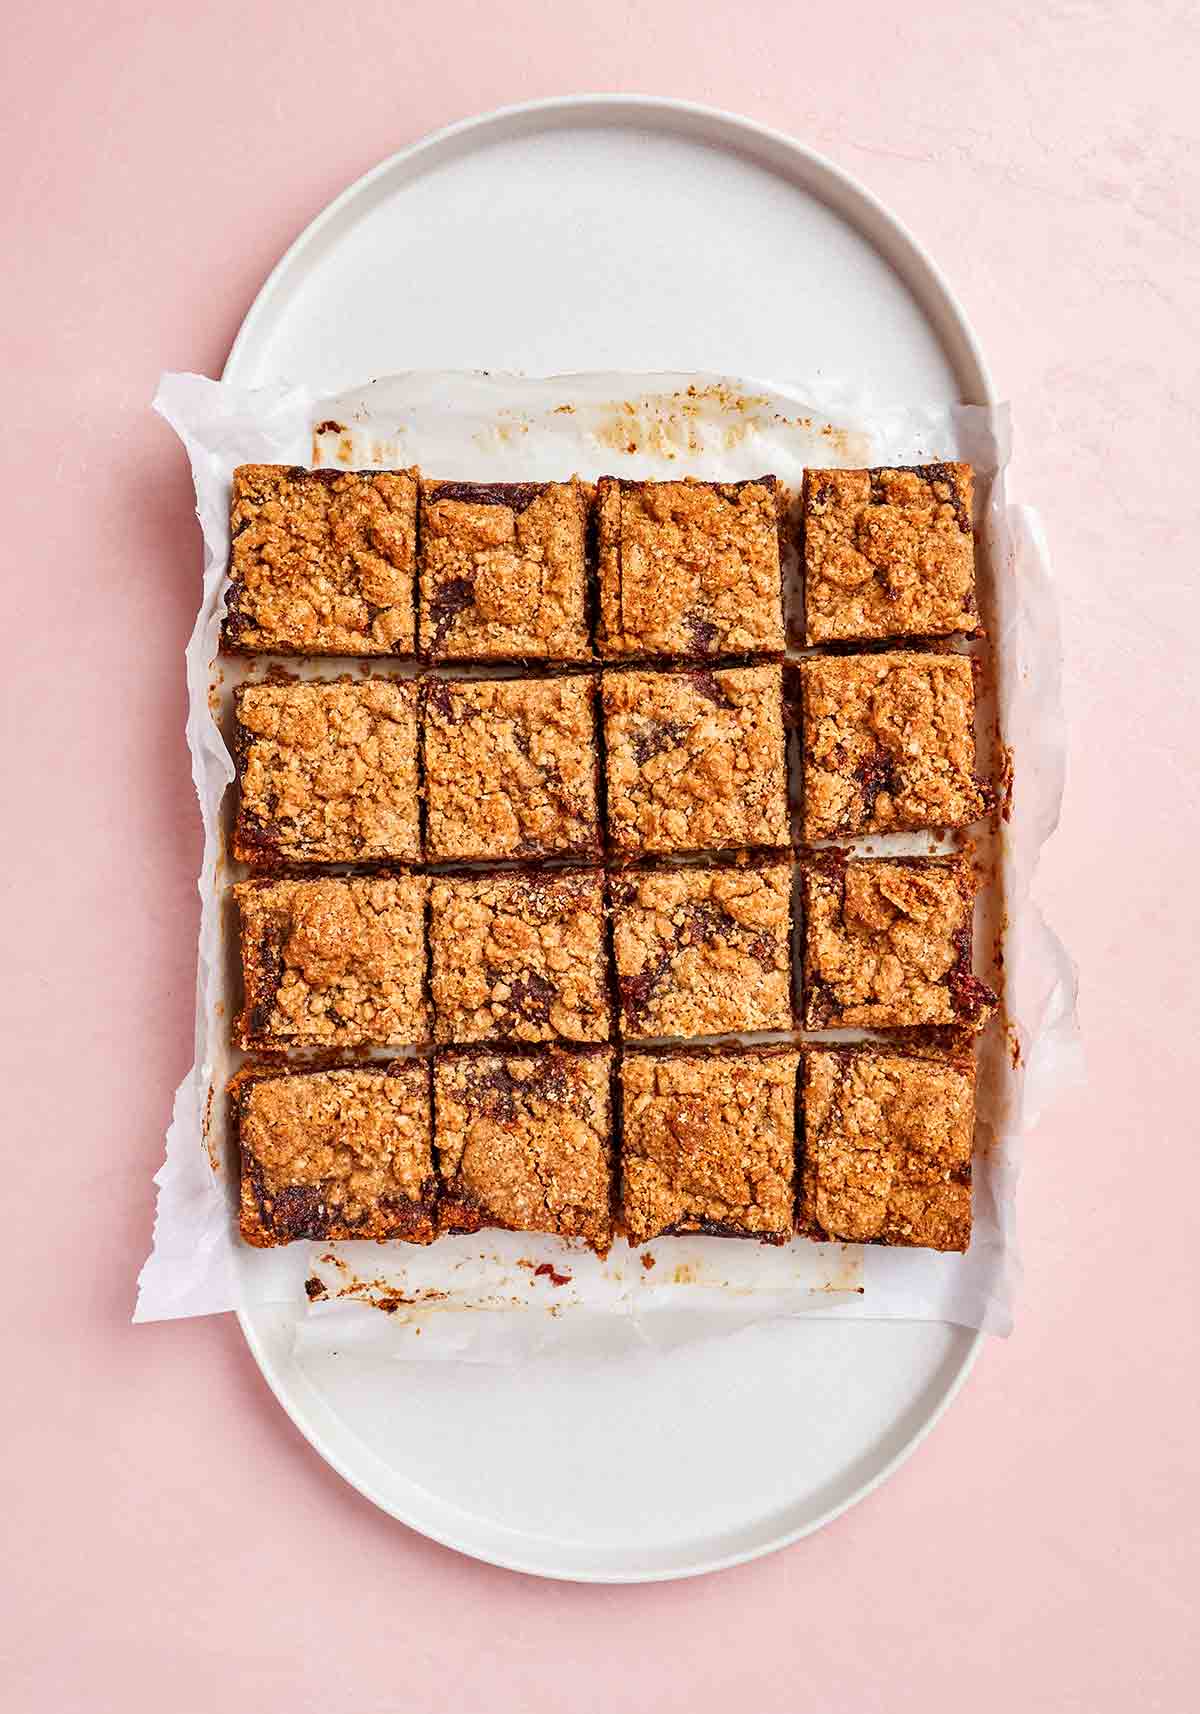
695,760
703,951
888,944
525,1143
519,957
322,561
328,772
887,1149
510,768
708,1144
889,743
333,962
688,568
341,1153
503,570
888,553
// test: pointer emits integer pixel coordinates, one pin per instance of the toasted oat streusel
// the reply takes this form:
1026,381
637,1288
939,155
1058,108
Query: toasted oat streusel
333,962
887,1148
510,768
888,944
504,571
708,1144
688,568
703,951
322,561
345,1152
525,1143
888,553
889,744
695,761
328,772
519,957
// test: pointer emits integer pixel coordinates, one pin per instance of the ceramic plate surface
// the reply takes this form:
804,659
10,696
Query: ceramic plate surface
627,233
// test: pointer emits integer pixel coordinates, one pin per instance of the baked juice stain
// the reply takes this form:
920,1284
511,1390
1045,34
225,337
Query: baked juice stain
549,1271
648,1261
1004,781
210,1147
389,1305
343,452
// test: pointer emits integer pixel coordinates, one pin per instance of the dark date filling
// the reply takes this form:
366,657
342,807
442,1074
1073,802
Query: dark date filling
438,697
453,597
703,924
875,774
721,1229
823,1002
270,980
516,496
637,991
652,737
237,621
970,997
304,1210
530,998
703,634
723,490
707,685
497,1092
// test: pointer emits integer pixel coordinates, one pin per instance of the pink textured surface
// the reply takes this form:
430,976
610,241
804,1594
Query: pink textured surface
171,1541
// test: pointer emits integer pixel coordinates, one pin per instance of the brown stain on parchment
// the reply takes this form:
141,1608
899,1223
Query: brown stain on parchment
1004,778
847,1275
500,434
210,1147
664,425
342,452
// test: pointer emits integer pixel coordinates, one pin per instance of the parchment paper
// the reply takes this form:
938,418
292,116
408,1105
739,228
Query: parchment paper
482,1297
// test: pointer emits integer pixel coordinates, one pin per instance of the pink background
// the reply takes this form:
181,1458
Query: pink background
170,1540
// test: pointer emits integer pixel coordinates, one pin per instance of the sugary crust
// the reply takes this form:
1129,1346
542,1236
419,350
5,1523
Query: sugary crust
703,951
688,568
504,571
888,945
328,772
708,1144
888,553
889,743
519,957
345,1152
695,760
525,1143
333,962
510,768
322,561
887,1149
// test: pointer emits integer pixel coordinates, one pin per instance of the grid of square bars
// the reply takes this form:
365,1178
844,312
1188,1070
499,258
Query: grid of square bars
518,975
